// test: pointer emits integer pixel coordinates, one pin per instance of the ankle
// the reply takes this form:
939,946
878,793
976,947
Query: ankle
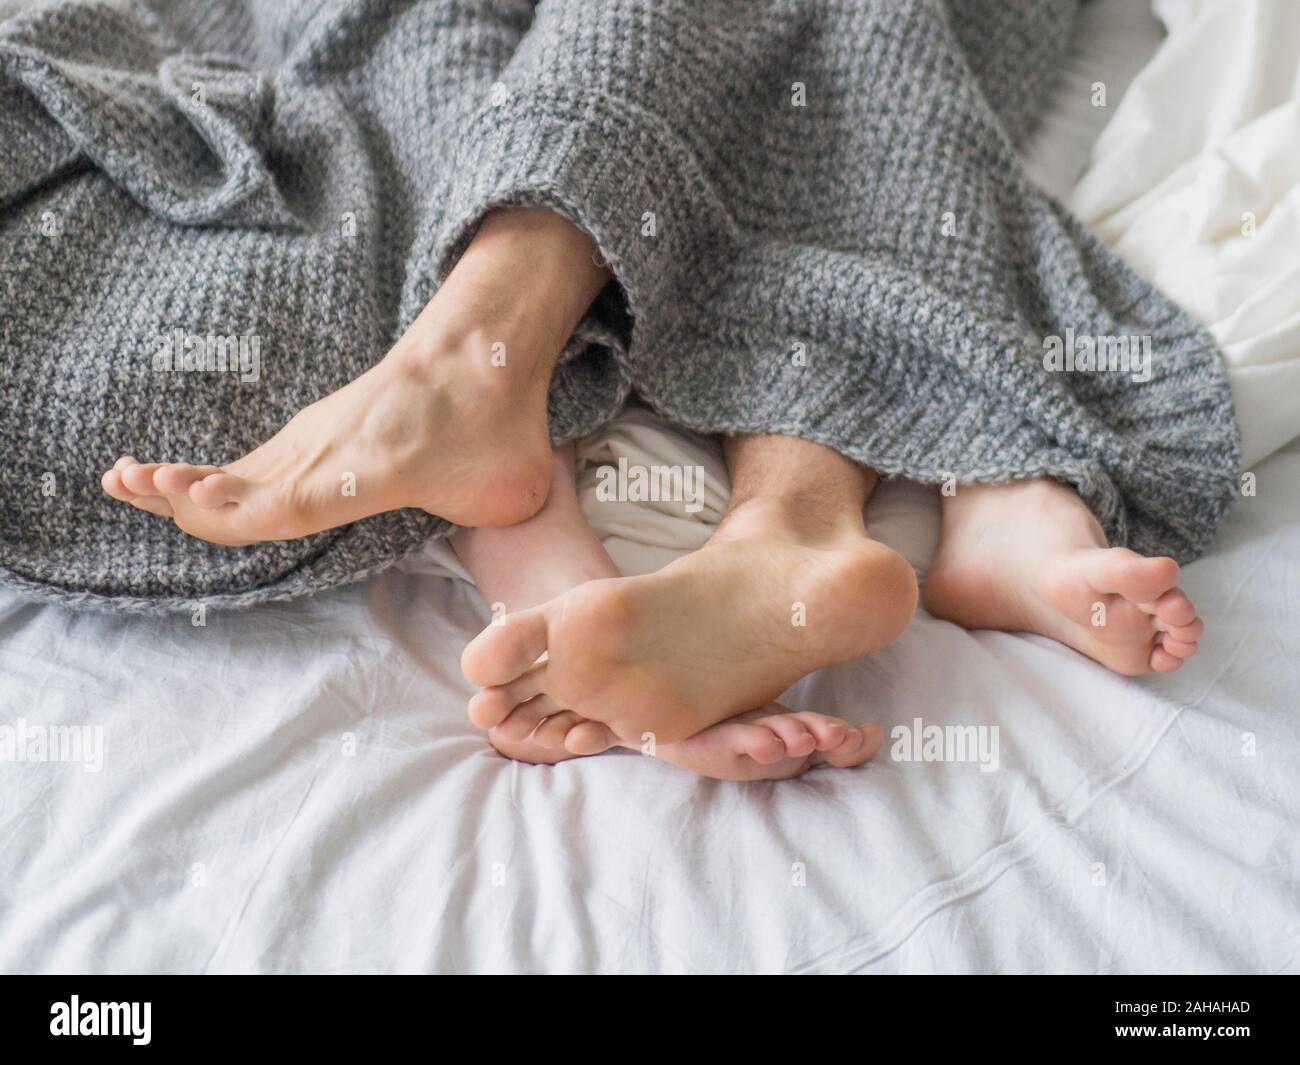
476,363
1041,517
801,519
523,284
508,308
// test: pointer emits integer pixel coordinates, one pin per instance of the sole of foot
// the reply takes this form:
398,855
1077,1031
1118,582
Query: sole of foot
727,628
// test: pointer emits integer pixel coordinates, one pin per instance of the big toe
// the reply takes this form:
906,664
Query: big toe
1135,577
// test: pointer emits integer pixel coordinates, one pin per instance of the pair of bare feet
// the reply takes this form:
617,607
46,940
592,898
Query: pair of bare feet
684,662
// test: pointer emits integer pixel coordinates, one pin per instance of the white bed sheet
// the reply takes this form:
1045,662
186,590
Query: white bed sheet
296,788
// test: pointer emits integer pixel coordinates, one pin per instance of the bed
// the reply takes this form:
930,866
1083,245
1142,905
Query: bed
296,788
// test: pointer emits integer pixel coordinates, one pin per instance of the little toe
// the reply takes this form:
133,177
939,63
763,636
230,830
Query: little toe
124,462
216,489
139,478
176,477
499,653
589,737
1163,662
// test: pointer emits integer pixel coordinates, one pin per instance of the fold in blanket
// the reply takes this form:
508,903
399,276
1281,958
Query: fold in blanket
814,212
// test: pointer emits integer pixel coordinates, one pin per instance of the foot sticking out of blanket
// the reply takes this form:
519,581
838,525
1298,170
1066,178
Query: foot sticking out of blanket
453,419
1030,557
559,552
773,596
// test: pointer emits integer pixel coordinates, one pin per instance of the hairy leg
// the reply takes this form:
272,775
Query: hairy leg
451,420
1030,557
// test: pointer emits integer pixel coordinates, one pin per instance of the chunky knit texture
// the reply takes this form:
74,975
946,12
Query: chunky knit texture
814,211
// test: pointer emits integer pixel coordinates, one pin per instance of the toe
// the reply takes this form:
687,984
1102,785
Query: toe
829,732
124,462
1163,662
525,718
1175,609
154,505
1185,633
590,737
111,482
525,687
1133,576
873,738
139,478
762,743
217,489
491,706
500,653
176,477
552,731
1178,648
798,739
860,744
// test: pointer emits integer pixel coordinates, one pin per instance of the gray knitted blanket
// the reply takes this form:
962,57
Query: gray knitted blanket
213,212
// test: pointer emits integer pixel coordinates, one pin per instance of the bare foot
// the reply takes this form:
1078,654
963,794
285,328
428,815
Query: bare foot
771,598
441,423
774,743
455,437
556,550
1030,557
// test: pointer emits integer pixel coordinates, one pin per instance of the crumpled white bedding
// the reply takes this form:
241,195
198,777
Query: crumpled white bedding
1203,199
296,788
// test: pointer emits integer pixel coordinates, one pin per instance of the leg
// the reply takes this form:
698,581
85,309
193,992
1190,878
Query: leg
525,565
1030,557
789,583
441,423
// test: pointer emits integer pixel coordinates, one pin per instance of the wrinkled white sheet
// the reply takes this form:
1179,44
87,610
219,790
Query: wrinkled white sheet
1203,198
296,788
